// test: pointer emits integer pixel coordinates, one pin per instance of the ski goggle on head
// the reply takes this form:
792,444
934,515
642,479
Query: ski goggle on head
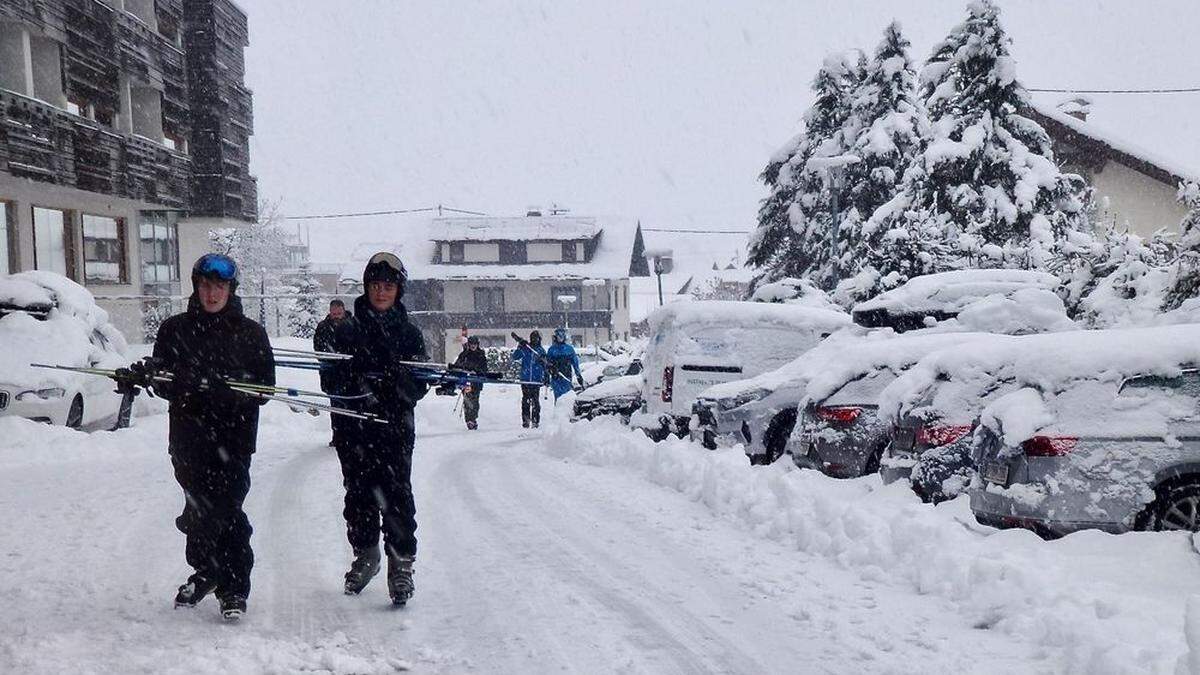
389,259
216,266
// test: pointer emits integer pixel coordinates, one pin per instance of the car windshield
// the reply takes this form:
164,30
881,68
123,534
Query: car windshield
864,390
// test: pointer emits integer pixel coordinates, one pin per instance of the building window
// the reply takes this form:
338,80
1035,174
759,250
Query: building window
104,250
456,252
560,291
513,253
160,253
51,241
8,263
570,252
489,300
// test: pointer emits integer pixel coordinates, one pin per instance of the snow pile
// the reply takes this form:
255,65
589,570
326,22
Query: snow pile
1069,597
1029,310
951,292
64,337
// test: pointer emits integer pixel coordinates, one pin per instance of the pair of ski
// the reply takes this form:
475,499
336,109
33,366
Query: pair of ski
287,395
433,374
560,382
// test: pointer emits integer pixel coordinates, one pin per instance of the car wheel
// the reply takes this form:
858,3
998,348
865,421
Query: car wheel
708,440
75,414
1177,508
874,460
777,433
125,413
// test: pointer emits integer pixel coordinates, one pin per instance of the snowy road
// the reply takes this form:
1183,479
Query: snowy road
553,550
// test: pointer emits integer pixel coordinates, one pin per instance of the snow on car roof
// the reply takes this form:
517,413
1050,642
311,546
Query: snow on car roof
626,385
951,291
736,312
1051,361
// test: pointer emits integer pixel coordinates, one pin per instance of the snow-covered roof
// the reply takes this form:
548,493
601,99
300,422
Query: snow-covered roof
950,292
526,228
724,312
1122,151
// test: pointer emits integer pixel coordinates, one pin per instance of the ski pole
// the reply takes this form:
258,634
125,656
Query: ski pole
323,356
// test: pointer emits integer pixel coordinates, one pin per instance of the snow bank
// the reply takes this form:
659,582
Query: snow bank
1069,597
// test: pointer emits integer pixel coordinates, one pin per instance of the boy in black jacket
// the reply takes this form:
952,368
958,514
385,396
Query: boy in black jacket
473,360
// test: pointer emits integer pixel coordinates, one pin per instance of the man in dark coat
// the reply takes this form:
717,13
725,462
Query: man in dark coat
213,429
473,360
335,333
377,462
532,357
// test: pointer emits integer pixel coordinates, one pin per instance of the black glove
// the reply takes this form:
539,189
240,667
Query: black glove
140,374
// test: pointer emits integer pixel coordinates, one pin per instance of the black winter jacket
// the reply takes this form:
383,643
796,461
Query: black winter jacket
336,336
382,340
222,346
472,361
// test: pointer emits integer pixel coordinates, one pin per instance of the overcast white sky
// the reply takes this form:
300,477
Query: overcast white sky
663,111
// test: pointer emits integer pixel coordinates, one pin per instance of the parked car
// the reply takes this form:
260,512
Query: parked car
759,412
925,300
1102,433
839,431
621,396
695,345
617,366
46,318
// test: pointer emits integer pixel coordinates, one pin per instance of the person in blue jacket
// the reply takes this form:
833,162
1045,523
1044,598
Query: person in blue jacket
532,357
563,361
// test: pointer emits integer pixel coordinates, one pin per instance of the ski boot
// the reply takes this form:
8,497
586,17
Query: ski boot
472,426
191,593
400,579
232,608
362,570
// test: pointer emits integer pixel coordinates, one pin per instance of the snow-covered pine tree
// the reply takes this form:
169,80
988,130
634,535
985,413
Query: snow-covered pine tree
306,309
985,176
794,217
884,131
1185,273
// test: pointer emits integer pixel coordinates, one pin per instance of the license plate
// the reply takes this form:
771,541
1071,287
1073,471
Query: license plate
996,473
905,439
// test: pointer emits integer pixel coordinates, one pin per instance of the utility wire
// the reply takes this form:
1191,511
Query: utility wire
663,229
390,212
1180,90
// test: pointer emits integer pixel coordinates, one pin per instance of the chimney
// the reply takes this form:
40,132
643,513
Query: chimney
1076,106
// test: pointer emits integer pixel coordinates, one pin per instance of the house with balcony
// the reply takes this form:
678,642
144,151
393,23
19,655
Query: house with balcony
492,276
124,137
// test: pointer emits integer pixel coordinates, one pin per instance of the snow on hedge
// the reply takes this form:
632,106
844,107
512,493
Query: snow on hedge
1069,597
63,338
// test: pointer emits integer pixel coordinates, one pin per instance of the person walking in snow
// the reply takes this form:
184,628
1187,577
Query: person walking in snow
473,360
213,429
377,458
333,335
563,361
532,357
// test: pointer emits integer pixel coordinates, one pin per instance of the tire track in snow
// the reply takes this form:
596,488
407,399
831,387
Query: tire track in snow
656,621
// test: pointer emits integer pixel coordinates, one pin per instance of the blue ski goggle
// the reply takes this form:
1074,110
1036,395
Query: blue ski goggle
216,265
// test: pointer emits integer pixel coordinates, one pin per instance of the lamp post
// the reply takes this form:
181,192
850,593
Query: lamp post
834,168
662,260
594,284
567,301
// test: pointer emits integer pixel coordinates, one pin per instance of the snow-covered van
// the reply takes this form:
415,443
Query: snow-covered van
695,345
47,318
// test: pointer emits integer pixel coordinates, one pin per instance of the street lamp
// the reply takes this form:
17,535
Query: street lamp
594,284
567,301
834,168
662,260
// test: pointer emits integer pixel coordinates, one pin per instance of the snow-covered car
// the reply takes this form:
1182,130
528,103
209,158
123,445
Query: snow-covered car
759,412
839,431
695,345
1101,433
924,300
46,318
620,396
616,366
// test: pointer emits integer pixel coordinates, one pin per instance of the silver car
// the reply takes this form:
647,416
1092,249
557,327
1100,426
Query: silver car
1115,457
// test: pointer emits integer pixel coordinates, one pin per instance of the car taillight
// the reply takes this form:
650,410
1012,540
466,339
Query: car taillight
1049,446
937,436
668,387
842,414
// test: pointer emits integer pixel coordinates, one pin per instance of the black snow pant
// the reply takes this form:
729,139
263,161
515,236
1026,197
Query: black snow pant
377,475
531,406
217,529
471,404
342,429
